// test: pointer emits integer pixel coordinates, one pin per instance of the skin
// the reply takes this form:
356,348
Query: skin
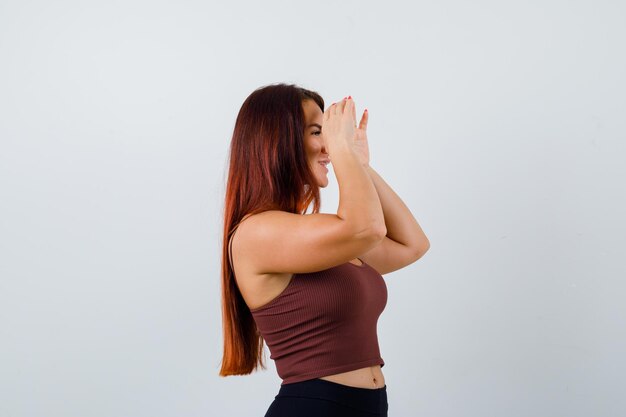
405,241
403,244
371,376
313,141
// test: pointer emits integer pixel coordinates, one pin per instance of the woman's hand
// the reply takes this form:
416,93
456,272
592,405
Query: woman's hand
340,124
361,145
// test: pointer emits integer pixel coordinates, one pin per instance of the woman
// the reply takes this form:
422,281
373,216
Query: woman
309,285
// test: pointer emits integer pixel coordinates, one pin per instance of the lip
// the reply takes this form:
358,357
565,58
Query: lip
324,163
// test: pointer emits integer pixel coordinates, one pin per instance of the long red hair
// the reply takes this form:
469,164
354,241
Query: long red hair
267,170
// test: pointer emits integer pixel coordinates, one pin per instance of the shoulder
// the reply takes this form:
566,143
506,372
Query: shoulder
257,223
252,236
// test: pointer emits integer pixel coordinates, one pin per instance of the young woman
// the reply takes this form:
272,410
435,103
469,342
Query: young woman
309,285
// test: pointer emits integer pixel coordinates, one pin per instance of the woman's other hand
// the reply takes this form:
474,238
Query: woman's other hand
339,125
361,145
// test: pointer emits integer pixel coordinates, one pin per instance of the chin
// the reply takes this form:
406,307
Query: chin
322,180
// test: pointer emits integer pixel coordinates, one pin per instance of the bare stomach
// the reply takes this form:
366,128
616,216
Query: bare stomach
371,377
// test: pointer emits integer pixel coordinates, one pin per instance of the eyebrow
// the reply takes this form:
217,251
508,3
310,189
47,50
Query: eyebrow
314,125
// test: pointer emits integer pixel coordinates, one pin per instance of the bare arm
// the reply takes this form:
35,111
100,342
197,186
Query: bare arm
359,200
401,225
405,241
276,241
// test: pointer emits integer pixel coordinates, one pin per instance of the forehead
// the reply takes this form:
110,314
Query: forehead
312,111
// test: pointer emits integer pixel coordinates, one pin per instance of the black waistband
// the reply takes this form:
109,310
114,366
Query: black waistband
366,399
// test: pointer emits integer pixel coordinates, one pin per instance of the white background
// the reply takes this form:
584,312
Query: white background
500,124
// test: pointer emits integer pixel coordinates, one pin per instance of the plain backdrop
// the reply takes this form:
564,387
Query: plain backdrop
500,124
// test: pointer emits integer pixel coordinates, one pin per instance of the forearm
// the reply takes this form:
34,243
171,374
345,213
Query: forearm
359,203
401,225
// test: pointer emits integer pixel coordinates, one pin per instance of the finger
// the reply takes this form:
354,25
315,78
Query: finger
350,112
333,109
346,106
353,107
364,120
327,112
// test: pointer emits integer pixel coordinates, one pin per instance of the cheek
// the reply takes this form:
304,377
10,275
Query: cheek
315,148
312,149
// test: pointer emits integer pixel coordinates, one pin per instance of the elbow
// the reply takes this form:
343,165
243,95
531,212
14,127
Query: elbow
422,249
380,232
374,233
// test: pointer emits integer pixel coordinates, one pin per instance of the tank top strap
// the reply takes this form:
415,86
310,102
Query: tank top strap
230,241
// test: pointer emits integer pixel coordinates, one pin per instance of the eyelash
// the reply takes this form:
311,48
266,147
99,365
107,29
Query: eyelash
319,131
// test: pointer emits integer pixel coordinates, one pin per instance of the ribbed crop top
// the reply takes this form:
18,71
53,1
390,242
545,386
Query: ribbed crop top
325,322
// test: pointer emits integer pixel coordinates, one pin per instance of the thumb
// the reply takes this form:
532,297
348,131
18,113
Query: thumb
364,120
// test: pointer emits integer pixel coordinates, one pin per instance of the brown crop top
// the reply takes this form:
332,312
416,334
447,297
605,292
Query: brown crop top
324,322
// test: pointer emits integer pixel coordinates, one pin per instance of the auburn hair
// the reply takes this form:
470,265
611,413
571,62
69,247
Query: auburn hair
267,170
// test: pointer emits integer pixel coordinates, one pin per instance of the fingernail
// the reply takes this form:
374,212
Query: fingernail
349,96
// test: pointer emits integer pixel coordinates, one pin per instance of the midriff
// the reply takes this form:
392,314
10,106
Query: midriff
371,377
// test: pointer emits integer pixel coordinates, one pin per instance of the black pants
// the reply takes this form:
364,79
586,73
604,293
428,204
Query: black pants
321,398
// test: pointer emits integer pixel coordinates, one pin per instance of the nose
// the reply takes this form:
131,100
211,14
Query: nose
322,146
